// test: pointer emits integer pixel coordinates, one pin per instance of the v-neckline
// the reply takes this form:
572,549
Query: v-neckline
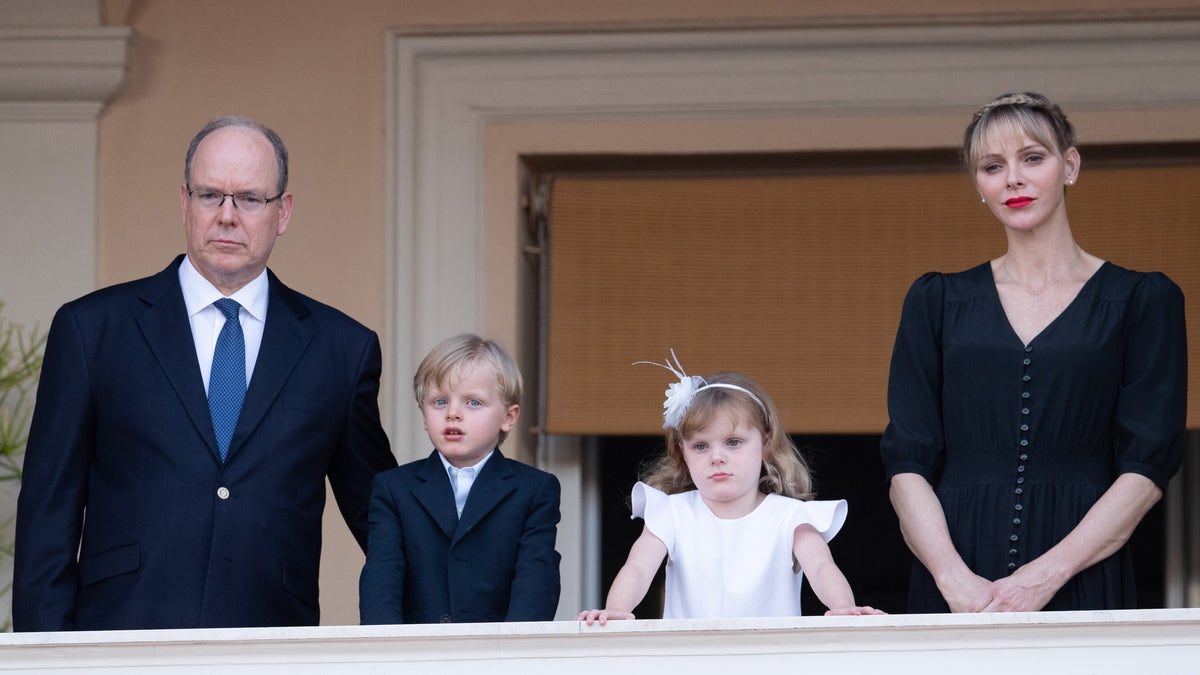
1008,322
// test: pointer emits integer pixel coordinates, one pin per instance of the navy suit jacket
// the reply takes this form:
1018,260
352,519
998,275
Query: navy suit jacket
128,519
496,563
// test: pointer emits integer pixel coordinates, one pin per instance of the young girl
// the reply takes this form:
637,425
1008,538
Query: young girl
723,505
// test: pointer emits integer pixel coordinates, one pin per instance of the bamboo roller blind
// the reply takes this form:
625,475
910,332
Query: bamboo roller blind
797,281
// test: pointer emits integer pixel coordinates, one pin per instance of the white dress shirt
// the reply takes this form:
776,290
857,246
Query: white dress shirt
206,320
463,482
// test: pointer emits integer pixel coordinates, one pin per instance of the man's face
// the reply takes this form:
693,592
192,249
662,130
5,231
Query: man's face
228,246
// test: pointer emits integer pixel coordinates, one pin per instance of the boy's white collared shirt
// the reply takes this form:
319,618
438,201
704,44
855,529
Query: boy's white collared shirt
461,480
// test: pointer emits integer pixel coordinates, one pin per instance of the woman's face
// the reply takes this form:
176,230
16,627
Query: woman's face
1022,180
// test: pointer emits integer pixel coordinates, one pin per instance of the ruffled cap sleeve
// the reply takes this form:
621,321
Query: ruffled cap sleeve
826,517
654,506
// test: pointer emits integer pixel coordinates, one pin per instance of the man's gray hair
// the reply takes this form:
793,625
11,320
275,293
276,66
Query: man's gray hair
281,153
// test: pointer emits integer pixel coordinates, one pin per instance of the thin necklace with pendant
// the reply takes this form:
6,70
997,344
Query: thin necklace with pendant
1037,295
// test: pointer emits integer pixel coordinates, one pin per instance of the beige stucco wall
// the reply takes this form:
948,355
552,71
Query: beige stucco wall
315,71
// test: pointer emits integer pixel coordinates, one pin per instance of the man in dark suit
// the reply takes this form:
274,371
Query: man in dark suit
465,535
175,470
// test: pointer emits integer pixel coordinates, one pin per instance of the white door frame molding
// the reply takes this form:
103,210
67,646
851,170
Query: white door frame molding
699,91
445,90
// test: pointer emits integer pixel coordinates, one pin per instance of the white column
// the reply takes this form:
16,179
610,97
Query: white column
57,67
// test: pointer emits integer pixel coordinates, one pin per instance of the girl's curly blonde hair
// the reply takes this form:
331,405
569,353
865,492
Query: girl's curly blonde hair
784,470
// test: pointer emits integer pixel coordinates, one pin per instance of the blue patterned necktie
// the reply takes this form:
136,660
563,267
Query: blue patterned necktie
227,379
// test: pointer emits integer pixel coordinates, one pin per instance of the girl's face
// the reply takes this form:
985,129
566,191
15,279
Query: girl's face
1022,180
725,461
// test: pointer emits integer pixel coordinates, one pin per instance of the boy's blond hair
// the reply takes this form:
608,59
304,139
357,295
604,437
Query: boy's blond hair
442,364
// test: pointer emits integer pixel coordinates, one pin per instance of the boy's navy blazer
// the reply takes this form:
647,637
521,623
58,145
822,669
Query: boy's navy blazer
496,563
172,537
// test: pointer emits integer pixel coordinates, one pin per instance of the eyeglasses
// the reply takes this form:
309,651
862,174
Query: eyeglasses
244,201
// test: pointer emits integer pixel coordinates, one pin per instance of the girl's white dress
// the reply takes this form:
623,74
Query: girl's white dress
732,568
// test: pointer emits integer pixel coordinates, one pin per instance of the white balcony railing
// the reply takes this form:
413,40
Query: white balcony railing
1157,641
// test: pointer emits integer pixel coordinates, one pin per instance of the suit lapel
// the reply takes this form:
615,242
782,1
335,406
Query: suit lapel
434,494
164,324
285,337
490,487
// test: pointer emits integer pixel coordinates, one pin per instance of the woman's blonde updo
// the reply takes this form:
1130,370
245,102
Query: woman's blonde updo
1030,113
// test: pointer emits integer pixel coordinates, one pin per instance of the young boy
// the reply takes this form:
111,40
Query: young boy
465,535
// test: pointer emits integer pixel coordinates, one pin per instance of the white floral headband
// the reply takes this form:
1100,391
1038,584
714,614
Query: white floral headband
680,394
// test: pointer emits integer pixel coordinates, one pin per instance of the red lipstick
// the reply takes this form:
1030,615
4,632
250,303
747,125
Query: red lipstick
1019,202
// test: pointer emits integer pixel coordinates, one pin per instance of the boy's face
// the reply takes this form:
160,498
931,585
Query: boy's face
465,416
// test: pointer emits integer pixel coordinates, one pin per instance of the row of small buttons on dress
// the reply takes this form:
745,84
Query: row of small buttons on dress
1022,457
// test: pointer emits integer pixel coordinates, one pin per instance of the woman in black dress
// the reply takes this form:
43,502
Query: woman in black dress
1037,401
